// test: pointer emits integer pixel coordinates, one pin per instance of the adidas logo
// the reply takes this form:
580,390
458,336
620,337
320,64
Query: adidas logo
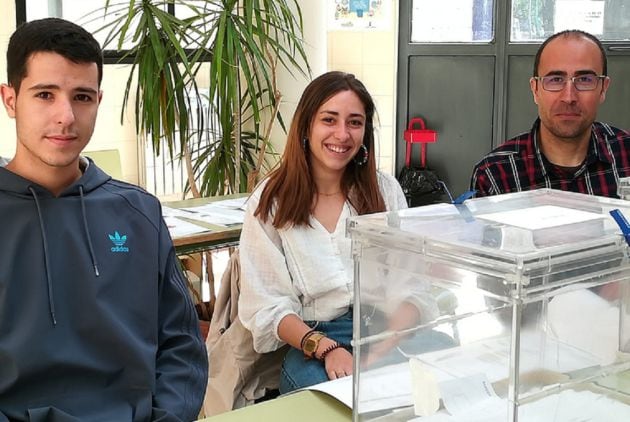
119,242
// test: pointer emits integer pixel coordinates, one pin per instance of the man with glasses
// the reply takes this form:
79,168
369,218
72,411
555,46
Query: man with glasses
566,148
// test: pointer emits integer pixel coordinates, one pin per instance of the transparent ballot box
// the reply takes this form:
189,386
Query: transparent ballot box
506,308
623,188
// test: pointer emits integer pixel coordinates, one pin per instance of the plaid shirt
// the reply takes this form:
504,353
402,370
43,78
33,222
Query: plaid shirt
519,165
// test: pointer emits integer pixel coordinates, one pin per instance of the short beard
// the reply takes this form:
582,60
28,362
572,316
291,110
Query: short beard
570,133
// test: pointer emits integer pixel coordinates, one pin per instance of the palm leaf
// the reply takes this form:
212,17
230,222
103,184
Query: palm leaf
244,40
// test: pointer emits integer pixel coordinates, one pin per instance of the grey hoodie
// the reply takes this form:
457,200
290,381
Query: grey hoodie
96,323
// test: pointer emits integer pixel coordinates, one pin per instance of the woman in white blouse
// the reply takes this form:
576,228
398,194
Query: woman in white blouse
296,264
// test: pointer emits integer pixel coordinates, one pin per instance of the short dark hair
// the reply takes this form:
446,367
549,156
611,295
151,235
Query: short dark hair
571,33
50,35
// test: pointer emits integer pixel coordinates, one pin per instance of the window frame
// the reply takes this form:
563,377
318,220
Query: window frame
109,56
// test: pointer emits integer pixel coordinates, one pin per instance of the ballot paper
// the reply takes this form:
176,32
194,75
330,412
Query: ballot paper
459,395
567,406
391,386
541,217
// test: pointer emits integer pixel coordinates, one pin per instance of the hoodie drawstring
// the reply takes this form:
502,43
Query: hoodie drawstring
87,232
51,302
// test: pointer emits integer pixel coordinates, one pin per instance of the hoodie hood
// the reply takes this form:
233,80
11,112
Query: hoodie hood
92,178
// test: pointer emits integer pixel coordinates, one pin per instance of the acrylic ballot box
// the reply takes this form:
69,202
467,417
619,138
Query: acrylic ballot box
507,308
623,188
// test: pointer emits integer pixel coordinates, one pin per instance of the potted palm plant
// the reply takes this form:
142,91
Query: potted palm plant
236,46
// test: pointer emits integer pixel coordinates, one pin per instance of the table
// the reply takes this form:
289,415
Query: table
303,406
218,238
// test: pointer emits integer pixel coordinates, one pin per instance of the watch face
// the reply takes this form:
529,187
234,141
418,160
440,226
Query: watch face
311,343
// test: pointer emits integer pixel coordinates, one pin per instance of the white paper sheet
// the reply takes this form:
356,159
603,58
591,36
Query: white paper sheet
542,217
235,203
341,389
216,214
567,406
181,228
461,394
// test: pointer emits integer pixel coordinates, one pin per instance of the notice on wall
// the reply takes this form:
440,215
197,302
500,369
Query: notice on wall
587,15
359,15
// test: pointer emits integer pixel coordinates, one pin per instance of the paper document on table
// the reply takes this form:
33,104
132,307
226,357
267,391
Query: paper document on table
569,405
235,203
341,389
492,357
180,228
216,214
174,212
388,387
488,357
458,395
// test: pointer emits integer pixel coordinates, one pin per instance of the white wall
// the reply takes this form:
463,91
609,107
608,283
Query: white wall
7,26
373,62
291,86
109,133
371,56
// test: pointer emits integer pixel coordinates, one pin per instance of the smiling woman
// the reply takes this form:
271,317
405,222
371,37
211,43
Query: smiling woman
296,284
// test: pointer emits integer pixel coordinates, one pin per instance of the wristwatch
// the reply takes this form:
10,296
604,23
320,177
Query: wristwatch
311,343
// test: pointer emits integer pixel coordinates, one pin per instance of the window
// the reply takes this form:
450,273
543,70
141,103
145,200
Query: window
535,20
90,15
452,21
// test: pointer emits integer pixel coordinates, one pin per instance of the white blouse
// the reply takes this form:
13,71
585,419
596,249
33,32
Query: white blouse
306,271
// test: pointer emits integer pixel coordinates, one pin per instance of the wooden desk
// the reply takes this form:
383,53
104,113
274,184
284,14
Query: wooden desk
217,238
303,406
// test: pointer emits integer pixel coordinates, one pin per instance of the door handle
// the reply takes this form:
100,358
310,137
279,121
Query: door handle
619,47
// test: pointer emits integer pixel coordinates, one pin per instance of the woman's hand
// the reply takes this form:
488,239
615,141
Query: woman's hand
336,359
338,363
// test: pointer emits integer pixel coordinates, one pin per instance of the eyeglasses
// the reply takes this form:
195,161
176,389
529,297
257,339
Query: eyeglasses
587,82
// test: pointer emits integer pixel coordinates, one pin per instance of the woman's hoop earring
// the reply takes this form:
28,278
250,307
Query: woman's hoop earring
304,143
362,157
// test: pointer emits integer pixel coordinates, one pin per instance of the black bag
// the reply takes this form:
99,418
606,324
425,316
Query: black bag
417,181
420,185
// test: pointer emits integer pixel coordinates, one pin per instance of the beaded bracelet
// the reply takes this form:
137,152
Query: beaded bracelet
329,349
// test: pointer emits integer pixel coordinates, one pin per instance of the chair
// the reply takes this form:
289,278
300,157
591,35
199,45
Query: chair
238,375
108,160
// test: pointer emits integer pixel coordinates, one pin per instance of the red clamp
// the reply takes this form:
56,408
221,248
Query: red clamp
422,136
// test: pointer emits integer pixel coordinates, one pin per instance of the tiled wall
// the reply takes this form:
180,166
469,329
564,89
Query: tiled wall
371,56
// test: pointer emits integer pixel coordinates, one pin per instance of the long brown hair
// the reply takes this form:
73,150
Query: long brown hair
290,188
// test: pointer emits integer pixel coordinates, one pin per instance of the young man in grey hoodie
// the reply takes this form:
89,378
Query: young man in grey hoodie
95,319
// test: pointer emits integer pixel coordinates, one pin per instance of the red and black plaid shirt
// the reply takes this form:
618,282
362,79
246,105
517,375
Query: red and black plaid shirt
519,165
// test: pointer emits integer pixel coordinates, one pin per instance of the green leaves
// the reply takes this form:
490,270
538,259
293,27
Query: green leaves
244,41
